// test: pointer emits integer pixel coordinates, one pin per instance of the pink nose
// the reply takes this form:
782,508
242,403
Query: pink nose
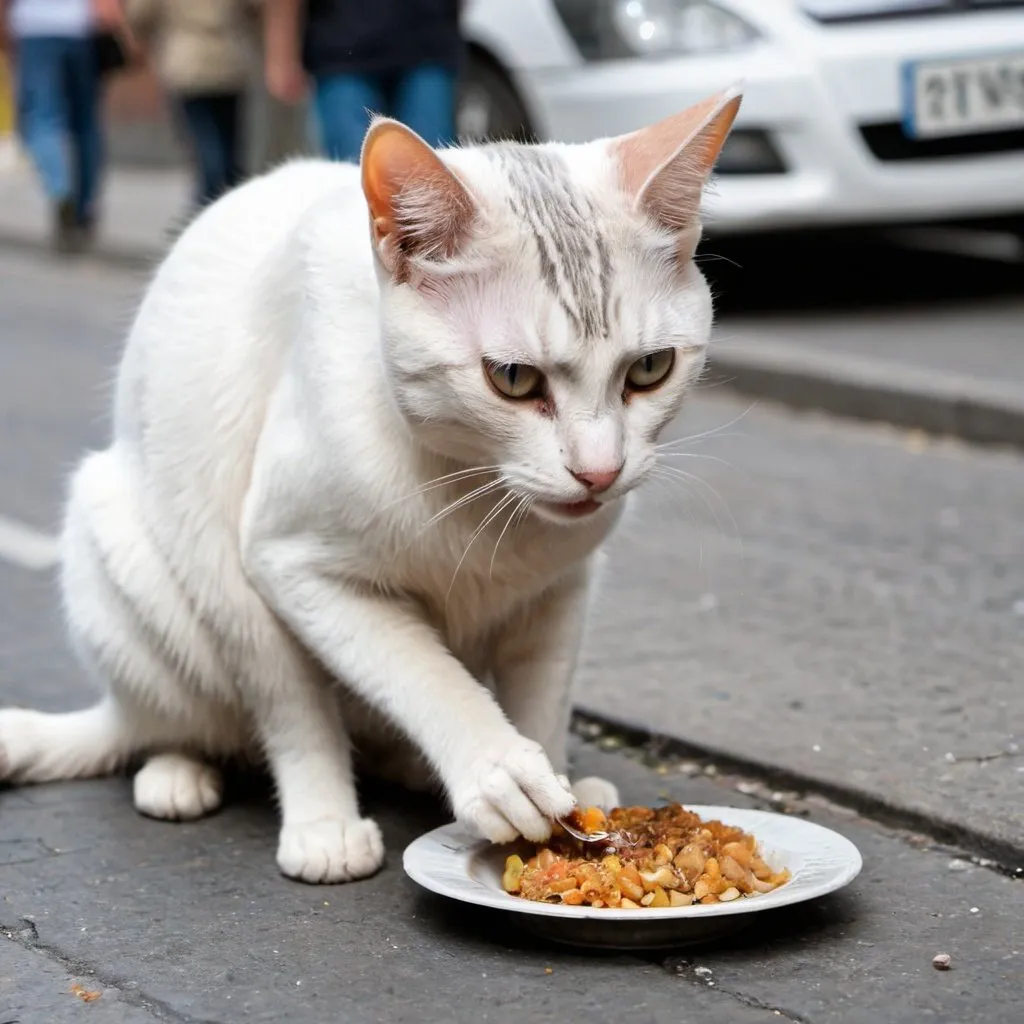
598,481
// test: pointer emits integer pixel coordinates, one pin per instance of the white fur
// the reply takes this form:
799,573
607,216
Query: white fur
267,518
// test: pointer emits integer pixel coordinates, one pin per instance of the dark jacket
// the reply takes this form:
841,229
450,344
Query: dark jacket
380,35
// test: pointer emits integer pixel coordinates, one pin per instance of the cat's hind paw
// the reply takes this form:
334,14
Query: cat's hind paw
6,760
330,850
596,792
177,788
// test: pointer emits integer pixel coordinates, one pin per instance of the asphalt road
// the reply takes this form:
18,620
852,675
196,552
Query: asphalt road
838,607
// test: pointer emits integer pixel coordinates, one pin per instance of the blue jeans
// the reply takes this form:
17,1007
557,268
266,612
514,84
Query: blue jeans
58,97
422,98
213,122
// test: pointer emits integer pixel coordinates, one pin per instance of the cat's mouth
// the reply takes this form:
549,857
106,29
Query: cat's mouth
570,509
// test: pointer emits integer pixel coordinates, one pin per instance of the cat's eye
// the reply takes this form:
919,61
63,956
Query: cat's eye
516,380
650,370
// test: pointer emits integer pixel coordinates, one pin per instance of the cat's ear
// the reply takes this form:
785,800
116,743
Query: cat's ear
665,166
418,208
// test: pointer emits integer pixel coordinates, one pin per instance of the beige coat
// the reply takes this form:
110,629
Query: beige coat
199,46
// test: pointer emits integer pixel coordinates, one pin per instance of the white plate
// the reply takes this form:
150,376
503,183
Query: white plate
962,97
449,862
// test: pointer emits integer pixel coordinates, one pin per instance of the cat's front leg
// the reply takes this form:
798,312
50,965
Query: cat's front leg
533,665
500,783
323,837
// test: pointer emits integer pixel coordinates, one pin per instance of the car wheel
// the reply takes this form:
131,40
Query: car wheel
1017,228
488,106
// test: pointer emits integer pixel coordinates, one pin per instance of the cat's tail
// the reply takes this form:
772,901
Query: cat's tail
40,747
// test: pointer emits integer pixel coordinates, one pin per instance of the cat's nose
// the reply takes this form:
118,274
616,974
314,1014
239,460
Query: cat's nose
598,480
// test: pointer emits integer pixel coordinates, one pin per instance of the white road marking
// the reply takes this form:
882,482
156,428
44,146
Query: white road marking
27,547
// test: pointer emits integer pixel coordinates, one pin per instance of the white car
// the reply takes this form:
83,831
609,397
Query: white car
856,112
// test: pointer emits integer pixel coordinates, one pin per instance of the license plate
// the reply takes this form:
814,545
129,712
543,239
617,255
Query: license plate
962,97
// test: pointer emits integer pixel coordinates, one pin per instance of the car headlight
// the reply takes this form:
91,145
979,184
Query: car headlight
610,29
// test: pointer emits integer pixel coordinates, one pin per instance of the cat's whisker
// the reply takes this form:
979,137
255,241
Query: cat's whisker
523,512
696,440
659,498
713,432
454,506
426,489
694,455
707,257
495,510
672,486
478,492
508,523
441,481
682,476
694,479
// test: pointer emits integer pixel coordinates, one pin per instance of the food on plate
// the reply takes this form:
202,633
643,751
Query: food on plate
655,857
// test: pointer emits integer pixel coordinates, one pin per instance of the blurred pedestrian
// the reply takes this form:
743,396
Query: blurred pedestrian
394,57
60,48
203,52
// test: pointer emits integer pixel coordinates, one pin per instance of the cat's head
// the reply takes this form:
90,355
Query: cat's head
541,309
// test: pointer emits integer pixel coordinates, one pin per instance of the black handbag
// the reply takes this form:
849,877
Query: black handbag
111,54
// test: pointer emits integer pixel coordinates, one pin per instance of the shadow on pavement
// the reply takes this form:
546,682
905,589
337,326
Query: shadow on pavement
846,272
788,927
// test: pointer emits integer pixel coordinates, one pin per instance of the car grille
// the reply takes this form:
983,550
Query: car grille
889,143
831,12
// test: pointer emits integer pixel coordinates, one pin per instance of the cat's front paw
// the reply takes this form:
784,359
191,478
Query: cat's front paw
330,850
596,792
512,791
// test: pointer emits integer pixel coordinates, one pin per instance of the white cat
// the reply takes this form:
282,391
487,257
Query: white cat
375,435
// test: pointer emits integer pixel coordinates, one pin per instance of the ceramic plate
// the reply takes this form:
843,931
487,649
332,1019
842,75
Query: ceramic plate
449,862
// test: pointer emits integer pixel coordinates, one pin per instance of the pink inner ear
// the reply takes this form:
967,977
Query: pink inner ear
666,165
418,207
643,152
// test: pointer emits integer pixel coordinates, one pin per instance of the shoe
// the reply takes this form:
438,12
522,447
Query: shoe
65,228
86,233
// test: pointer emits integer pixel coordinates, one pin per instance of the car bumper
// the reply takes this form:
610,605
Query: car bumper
830,101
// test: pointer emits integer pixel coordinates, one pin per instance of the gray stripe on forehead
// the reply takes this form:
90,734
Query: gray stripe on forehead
575,263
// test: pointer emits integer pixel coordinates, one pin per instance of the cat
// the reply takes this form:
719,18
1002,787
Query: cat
371,427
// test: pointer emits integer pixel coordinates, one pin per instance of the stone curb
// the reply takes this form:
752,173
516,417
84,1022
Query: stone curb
970,408
1005,856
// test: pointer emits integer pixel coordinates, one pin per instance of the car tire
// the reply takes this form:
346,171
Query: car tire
1017,228
489,108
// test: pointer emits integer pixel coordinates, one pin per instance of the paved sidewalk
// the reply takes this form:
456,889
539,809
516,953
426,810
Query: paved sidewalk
190,924
833,630
139,208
